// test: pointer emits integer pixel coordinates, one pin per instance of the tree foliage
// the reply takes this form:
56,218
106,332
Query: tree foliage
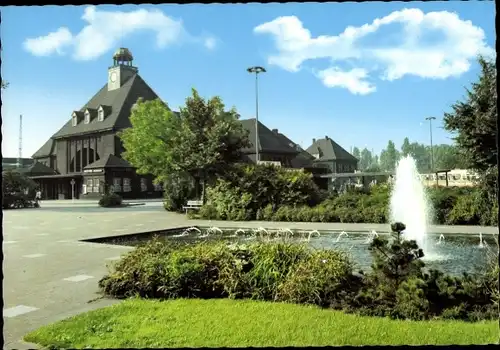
200,140
474,120
389,157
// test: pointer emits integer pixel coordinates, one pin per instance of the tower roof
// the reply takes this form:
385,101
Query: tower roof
123,55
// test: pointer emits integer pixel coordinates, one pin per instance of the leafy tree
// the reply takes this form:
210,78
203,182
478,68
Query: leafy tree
474,121
448,157
356,153
4,84
389,157
202,140
366,159
406,148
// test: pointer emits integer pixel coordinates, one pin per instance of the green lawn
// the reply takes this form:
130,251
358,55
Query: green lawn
216,323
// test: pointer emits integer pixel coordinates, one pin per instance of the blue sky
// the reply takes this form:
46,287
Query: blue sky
361,73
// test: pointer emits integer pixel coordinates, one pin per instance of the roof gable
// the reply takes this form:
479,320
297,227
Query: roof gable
117,104
327,149
269,141
46,150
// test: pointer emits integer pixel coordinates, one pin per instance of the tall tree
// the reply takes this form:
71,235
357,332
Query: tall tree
474,120
202,140
366,159
4,84
406,147
356,153
389,157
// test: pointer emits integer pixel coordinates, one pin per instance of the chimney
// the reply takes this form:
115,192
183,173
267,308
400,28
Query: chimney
327,138
275,131
314,140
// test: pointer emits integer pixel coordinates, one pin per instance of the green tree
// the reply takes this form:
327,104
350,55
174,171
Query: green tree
356,153
366,159
448,157
389,157
406,148
5,84
474,120
202,140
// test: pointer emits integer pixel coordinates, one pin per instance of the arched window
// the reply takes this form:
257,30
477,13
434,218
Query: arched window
87,117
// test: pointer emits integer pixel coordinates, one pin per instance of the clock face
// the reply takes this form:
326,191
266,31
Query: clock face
112,77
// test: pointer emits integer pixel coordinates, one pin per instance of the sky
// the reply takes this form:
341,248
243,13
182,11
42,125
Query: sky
361,73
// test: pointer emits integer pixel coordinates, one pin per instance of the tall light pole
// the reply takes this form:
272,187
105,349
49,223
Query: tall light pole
430,119
257,70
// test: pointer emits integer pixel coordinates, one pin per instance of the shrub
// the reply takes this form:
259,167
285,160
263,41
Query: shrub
18,190
230,202
318,279
249,189
110,200
209,212
177,190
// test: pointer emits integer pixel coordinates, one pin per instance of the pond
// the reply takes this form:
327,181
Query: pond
451,253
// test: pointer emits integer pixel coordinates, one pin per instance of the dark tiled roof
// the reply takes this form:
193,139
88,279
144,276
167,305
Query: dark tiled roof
119,102
38,169
303,159
111,161
269,142
46,150
329,150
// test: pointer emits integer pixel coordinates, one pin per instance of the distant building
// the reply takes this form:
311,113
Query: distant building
330,155
12,163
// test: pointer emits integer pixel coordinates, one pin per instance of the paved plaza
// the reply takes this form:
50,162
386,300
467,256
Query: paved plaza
50,275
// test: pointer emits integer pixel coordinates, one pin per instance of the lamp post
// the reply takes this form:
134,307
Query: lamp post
257,70
430,119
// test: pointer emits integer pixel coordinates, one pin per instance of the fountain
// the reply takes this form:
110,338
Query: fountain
409,203
341,234
441,239
481,242
311,233
371,236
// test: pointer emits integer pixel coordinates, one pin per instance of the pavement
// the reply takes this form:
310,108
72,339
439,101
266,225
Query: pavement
50,275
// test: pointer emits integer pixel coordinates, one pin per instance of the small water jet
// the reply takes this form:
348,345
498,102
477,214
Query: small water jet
441,239
341,234
371,236
481,242
286,232
409,203
311,233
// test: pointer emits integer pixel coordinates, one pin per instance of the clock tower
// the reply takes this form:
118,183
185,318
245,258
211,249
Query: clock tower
122,69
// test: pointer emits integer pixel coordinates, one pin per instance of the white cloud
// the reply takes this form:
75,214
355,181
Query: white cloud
352,80
51,43
104,31
459,42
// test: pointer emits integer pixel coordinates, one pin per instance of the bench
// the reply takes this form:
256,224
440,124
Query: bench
195,205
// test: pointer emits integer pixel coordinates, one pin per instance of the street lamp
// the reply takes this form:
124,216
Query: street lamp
430,119
257,70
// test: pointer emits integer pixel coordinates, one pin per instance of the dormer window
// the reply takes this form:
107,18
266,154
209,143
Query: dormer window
74,119
87,117
102,112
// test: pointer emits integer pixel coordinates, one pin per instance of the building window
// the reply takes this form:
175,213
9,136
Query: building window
126,185
117,184
74,120
144,184
96,185
87,117
100,114
89,185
